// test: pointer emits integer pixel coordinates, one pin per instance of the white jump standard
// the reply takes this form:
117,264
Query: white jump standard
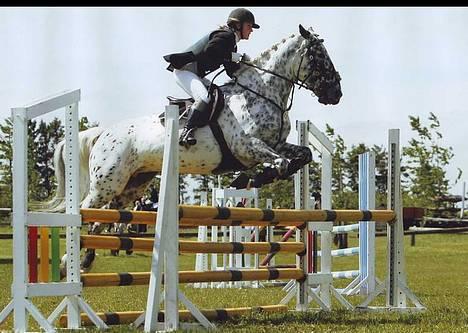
21,306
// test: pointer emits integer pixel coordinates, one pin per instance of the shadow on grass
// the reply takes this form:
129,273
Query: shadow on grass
336,317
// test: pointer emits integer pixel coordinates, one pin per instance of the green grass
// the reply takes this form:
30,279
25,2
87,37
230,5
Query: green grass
437,272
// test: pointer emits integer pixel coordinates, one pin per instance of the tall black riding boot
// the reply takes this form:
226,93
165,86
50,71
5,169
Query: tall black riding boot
197,117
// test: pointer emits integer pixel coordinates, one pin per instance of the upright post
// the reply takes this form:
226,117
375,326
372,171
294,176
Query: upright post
326,203
20,209
72,195
301,187
396,258
395,284
367,229
462,210
165,249
270,236
201,262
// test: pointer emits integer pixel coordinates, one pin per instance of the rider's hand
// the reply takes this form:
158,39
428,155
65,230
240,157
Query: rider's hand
236,57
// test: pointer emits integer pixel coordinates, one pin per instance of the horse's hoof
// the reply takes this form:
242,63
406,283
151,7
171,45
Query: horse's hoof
85,270
186,144
63,272
88,259
267,176
240,182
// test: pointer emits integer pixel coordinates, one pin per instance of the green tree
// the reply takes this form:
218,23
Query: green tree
84,124
351,166
48,135
205,184
6,162
426,160
338,159
381,175
281,192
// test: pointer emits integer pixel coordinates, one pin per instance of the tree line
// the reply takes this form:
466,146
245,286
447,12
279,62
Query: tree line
423,166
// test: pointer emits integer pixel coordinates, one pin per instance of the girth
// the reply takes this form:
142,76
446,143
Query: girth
228,161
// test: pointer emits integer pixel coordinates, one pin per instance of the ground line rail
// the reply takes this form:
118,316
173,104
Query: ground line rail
128,317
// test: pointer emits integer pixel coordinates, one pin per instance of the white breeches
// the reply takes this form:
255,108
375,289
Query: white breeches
192,84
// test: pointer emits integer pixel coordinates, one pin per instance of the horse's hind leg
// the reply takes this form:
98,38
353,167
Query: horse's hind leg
135,188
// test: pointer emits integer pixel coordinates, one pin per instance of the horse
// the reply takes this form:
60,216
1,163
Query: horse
125,157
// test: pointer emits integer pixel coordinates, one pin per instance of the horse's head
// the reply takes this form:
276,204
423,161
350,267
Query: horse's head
316,69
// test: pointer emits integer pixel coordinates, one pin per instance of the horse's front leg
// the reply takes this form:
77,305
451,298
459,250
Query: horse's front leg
253,151
298,157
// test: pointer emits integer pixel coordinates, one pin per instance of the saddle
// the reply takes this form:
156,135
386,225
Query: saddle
216,105
228,161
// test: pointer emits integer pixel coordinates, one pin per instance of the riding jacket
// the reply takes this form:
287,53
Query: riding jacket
209,53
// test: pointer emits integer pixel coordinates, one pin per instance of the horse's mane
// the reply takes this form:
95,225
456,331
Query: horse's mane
262,59
265,56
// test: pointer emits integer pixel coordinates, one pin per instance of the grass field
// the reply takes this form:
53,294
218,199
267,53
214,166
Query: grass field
437,272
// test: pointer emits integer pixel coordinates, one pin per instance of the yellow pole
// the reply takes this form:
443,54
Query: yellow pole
142,278
138,244
44,255
206,215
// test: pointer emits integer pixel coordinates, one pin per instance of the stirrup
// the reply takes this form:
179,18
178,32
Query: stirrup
186,137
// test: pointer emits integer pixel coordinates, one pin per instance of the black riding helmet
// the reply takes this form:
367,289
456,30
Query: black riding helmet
242,15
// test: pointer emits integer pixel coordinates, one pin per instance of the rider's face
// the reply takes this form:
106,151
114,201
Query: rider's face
246,30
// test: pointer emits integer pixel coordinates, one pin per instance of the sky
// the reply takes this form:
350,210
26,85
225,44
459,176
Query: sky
394,62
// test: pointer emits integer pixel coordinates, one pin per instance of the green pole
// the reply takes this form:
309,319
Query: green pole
55,239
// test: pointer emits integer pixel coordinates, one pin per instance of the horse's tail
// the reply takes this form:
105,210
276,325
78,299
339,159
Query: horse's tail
86,140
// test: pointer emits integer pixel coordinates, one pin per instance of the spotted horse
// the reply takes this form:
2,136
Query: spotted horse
125,157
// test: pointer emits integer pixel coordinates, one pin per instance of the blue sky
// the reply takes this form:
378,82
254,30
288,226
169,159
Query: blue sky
394,62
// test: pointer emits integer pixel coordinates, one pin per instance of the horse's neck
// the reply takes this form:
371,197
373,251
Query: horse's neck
279,59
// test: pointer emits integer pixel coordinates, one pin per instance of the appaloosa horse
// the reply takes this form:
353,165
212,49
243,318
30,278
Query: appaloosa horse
254,122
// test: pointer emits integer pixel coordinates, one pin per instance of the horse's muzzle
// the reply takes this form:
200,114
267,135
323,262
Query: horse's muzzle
331,96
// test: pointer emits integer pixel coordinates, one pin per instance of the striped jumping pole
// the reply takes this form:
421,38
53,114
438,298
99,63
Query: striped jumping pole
127,318
142,278
139,244
198,215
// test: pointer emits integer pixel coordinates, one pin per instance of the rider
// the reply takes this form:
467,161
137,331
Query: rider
217,48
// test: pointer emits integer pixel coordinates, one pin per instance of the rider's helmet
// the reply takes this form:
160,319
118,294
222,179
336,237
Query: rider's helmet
242,15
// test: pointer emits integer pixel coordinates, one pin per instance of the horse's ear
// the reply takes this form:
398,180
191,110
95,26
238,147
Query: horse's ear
304,32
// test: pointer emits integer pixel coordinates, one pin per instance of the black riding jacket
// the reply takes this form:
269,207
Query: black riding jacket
210,52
